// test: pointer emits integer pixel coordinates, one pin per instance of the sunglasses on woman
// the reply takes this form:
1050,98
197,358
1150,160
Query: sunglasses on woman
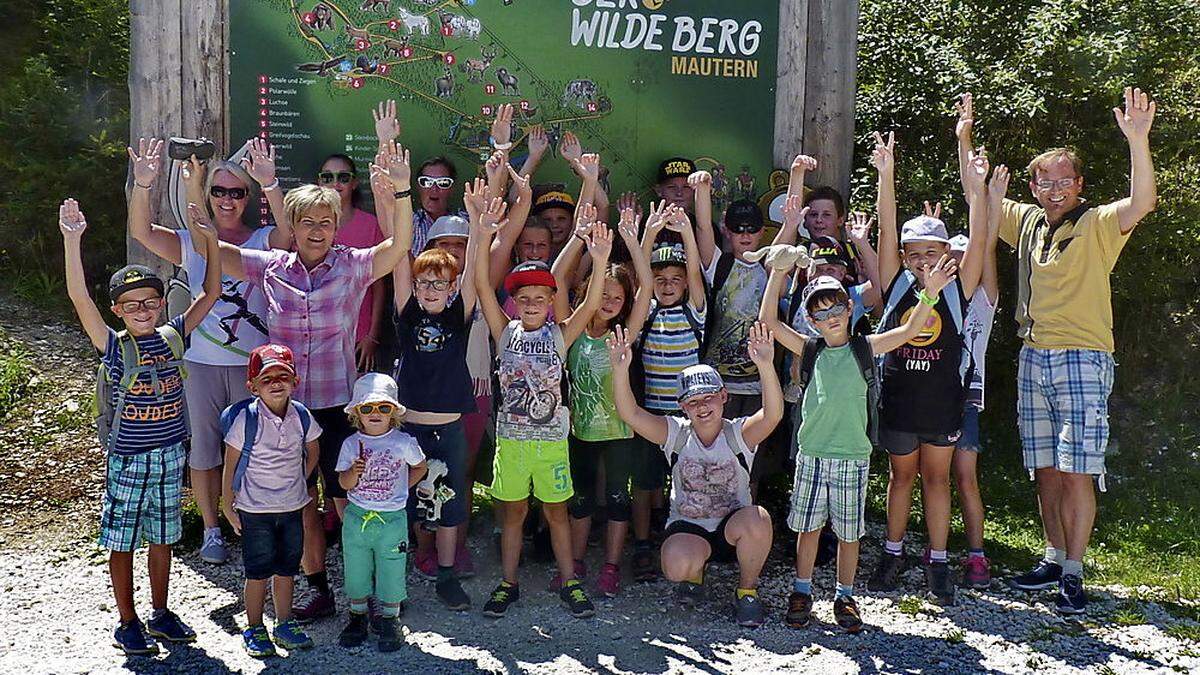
443,182
152,304
383,408
829,312
233,193
327,177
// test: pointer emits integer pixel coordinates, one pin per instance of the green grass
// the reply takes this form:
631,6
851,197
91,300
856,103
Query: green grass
911,605
956,636
16,371
1188,632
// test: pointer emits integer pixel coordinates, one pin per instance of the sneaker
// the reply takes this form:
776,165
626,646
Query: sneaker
131,637
464,566
845,612
451,593
390,637
257,642
1043,576
168,627
502,597
291,636
886,577
609,581
827,547
315,605
643,565
749,611
576,600
355,632
977,572
689,594
425,564
939,581
556,581
799,613
214,550
1071,597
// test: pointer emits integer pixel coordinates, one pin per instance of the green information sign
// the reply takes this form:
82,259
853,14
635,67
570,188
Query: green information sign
637,80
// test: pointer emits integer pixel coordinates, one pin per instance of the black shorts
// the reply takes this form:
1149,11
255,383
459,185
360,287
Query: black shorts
722,550
335,428
902,443
272,543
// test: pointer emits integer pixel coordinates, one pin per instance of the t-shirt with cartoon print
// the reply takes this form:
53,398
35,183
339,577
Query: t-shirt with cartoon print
531,371
707,482
736,307
383,485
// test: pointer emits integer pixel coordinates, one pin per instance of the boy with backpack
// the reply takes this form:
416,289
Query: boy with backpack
270,448
141,424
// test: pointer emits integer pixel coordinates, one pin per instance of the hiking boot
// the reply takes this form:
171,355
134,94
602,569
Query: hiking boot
556,582
390,637
451,593
689,594
886,577
214,549
131,637
169,627
609,581
939,581
502,597
355,632
1043,576
827,546
799,613
464,566
426,564
317,605
749,611
845,612
977,572
257,642
291,636
1071,598
576,600
643,565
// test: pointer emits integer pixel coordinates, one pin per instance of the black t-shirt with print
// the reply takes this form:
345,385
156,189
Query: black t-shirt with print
433,375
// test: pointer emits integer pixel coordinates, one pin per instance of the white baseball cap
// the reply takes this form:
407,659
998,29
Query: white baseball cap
924,228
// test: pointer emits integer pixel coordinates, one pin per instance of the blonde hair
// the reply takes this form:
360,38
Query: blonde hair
1052,155
240,173
397,416
305,198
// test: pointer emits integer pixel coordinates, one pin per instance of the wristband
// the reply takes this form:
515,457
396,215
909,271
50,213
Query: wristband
500,146
579,236
144,187
923,297
273,186
403,193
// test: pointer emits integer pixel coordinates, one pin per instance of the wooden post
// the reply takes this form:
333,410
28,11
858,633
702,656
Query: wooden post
829,90
791,73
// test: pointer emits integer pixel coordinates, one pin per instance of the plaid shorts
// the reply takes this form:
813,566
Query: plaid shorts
1062,408
830,489
142,498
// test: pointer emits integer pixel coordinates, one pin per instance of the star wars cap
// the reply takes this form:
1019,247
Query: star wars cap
130,277
675,167
924,228
697,380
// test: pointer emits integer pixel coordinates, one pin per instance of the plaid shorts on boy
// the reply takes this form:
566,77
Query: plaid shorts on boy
830,489
1062,408
142,498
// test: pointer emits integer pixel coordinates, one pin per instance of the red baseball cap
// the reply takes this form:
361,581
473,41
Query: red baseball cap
269,356
529,273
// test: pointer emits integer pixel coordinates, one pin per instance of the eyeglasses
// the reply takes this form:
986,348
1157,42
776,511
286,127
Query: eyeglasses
369,408
233,193
327,177
435,284
829,312
443,182
1061,183
152,304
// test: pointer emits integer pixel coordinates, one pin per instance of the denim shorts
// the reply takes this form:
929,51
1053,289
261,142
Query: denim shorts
272,543
969,440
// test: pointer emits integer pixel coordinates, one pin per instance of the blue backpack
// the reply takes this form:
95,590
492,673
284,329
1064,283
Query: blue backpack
250,405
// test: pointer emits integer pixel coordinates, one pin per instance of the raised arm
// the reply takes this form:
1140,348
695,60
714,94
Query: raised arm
499,253
706,238
401,276
997,188
387,123
211,290
761,346
975,179
564,265
468,291
259,162
793,214
936,278
599,244
72,225
644,423
801,165
161,241
387,253
965,107
538,145
493,313
655,222
884,159
768,313
697,294
1135,122
858,232
627,228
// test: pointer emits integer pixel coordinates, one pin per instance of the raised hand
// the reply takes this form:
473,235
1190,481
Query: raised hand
495,168
975,175
700,181
620,348
858,228
585,218
656,220
588,167
387,125
803,164
570,148
259,161
760,345
933,210
200,223
599,244
883,158
70,220
398,167
940,275
1135,121
629,200
539,143
965,107
475,198
502,125
627,226
492,218
998,186
677,219
794,211
146,161
191,170
522,185
381,185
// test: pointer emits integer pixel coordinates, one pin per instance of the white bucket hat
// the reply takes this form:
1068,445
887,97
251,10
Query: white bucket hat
375,388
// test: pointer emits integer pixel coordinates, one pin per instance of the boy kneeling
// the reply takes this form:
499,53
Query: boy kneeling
710,459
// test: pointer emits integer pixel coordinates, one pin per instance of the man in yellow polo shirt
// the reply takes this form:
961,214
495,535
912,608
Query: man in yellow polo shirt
1066,249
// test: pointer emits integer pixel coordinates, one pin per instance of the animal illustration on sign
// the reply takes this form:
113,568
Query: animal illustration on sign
413,22
579,93
445,84
395,48
468,27
372,5
475,68
508,82
322,17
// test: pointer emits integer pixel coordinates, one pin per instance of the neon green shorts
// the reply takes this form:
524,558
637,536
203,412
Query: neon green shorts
540,468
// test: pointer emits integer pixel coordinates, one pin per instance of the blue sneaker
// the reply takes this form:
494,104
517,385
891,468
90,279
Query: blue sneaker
290,635
258,642
1071,599
169,627
132,638
214,550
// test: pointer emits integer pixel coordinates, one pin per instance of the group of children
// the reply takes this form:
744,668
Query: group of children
657,369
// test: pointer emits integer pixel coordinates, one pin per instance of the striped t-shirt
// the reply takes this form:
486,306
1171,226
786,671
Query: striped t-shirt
669,346
150,419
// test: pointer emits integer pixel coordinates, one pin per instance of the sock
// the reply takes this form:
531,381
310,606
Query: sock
743,592
445,573
937,556
388,612
893,547
1060,556
845,591
319,581
802,585
976,553
1054,555
359,606
1072,567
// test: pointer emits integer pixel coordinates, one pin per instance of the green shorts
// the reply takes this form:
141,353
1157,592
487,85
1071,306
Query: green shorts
540,468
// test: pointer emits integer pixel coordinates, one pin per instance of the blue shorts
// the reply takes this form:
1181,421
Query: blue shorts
272,543
1062,408
969,440
142,498
447,442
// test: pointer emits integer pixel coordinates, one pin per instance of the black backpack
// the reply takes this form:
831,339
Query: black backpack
720,276
866,364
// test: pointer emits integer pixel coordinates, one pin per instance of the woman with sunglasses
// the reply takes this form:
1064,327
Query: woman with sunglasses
220,347
359,229
435,180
